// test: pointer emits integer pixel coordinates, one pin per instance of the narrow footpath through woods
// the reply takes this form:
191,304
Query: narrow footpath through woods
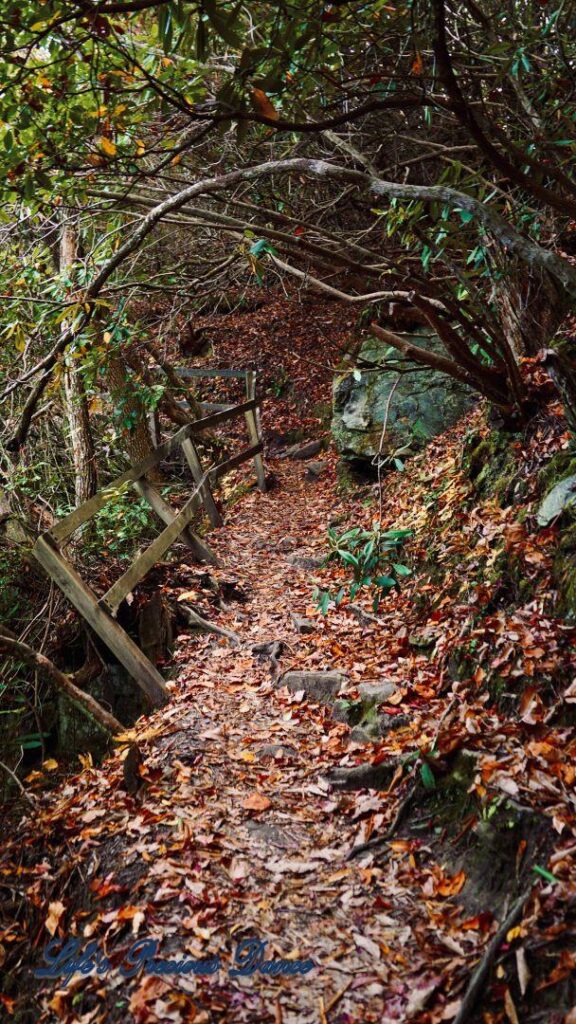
231,830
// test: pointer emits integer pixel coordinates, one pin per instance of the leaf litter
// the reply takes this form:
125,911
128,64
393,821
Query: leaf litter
227,840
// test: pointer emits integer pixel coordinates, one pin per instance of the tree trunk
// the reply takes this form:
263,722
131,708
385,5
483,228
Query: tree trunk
75,404
127,401
532,309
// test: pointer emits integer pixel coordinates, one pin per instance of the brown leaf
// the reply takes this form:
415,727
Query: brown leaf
256,802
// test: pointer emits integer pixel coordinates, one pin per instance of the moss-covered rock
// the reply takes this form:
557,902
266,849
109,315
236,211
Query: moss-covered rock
416,403
489,462
561,467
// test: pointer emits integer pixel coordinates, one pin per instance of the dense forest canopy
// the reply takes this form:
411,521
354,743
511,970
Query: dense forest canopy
418,152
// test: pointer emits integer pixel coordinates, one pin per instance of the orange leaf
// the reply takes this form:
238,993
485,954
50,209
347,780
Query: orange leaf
107,146
256,802
451,886
418,65
263,105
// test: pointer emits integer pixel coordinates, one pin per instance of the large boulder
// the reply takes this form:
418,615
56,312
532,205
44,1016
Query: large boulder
424,402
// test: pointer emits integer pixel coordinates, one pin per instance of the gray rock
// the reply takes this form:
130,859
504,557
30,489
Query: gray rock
302,560
360,734
341,712
364,776
314,470
361,614
321,687
271,835
424,402
561,497
388,722
286,544
302,625
304,451
275,750
376,692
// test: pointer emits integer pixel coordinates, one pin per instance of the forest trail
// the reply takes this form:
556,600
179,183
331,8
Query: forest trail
235,833
229,829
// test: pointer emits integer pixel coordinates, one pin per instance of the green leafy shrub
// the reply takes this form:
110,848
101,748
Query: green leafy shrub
369,555
123,523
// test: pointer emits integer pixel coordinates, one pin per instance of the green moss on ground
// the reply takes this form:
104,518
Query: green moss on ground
489,463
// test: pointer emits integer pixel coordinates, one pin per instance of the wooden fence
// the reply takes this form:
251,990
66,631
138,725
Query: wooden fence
100,613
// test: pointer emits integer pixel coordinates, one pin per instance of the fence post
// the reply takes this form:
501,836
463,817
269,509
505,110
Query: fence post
122,646
193,460
201,549
254,428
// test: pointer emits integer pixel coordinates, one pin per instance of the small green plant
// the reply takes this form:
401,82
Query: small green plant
280,383
369,554
121,524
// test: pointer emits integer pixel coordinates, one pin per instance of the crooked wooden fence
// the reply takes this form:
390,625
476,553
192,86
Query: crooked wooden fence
100,613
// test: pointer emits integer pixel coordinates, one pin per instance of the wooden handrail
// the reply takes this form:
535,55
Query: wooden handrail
193,371
153,553
100,613
72,522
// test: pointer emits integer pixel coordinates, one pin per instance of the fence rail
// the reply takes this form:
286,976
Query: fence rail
100,613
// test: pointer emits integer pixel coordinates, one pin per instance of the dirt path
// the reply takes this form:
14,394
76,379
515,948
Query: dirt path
237,835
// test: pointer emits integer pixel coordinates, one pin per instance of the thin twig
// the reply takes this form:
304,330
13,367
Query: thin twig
336,999
372,844
22,789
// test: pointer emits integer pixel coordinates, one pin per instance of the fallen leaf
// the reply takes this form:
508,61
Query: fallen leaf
256,802
55,911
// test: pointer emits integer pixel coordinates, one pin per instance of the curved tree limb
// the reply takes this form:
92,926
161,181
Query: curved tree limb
527,250
435,361
64,682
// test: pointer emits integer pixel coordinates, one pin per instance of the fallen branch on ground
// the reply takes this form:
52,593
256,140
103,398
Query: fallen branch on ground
373,844
86,703
194,619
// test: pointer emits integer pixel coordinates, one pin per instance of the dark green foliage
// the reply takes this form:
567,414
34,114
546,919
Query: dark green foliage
368,554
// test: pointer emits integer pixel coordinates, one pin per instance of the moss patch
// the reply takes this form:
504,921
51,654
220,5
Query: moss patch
489,462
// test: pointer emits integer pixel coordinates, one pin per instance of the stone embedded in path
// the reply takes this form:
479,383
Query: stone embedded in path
302,560
302,625
321,687
287,543
304,451
359,734
376,692
275,750
314,470
388,722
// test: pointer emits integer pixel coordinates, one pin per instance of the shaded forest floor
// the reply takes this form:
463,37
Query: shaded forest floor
237,829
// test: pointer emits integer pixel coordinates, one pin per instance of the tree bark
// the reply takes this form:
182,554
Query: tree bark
75,402
532,309
128,403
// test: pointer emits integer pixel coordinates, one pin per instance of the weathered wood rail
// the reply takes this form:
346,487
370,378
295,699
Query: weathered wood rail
100,612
